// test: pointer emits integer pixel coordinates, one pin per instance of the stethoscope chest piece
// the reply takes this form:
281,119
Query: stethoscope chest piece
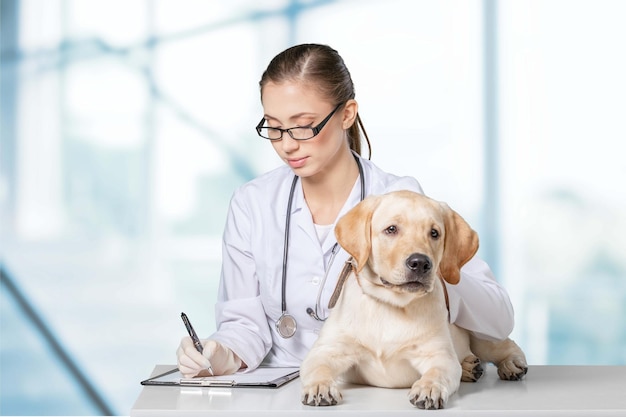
286,326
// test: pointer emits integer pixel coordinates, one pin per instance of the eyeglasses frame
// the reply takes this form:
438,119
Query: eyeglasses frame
316,129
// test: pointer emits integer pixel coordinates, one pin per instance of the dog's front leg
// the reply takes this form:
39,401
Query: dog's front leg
505,354
320,372
441,375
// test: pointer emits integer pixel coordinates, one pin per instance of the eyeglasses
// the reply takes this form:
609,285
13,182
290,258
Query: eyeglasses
297,133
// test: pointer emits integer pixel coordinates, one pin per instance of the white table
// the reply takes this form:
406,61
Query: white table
546,391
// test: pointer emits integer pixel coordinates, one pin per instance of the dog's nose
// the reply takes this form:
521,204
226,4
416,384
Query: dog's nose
419,263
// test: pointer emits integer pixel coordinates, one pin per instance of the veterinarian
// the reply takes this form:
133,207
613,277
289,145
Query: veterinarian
280,259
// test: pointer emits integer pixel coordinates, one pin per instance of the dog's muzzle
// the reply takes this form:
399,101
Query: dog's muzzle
418,274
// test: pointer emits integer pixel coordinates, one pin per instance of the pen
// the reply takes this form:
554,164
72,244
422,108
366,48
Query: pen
194,337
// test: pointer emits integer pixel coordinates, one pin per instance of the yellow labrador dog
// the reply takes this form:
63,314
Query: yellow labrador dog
389,326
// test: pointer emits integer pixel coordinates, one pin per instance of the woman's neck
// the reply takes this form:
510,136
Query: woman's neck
327,192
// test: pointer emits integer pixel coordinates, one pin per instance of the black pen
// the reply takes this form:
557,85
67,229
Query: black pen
194,337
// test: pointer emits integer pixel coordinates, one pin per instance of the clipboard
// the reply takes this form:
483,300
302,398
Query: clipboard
261,377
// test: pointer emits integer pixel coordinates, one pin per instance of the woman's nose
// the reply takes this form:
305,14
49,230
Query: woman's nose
288,143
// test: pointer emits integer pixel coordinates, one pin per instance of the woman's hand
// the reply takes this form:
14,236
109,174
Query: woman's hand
214,354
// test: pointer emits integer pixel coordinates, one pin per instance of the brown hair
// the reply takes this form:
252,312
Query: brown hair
323,68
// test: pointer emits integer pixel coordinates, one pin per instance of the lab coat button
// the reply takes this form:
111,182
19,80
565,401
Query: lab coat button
315,281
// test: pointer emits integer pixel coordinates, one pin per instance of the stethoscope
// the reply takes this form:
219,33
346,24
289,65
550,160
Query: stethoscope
286,325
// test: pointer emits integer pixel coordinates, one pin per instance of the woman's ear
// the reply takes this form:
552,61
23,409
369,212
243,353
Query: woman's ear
350,112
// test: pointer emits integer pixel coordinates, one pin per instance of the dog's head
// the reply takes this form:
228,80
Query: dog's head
402,240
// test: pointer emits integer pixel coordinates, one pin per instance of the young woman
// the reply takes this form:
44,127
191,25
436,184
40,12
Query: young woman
280,257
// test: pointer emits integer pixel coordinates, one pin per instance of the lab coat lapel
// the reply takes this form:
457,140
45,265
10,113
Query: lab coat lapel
301,215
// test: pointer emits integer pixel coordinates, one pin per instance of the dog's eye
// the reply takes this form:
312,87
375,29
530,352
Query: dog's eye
434,233
391,230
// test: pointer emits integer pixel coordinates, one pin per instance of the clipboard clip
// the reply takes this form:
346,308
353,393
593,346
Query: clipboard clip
201,382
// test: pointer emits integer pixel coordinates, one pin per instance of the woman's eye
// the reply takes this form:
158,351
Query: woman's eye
434,233
391,230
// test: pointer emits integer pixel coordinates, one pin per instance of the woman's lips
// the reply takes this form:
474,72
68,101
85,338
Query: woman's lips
296,162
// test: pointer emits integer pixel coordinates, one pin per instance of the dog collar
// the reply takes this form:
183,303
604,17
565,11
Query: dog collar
345,272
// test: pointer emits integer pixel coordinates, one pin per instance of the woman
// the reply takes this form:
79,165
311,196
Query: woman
280,269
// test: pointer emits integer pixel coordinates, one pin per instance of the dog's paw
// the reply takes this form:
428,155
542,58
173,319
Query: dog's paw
472,369
512,368
428,396
322,394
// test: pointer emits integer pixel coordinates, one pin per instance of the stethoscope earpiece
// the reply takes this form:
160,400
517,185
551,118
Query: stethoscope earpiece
314,314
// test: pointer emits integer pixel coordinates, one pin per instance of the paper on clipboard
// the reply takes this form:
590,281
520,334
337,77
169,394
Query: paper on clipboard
262,377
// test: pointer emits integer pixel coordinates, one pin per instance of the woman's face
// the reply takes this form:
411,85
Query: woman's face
291,104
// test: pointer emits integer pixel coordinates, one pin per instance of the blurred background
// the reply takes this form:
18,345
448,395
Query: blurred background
127,124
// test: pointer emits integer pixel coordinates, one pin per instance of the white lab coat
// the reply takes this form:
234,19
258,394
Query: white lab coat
249,299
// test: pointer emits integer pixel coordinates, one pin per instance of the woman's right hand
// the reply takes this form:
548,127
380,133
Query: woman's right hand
214,354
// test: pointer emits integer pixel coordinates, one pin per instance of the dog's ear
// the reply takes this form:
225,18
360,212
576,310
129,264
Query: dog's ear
353,230
460,245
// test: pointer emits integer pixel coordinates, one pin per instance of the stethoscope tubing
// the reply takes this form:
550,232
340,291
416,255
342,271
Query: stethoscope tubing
286,243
